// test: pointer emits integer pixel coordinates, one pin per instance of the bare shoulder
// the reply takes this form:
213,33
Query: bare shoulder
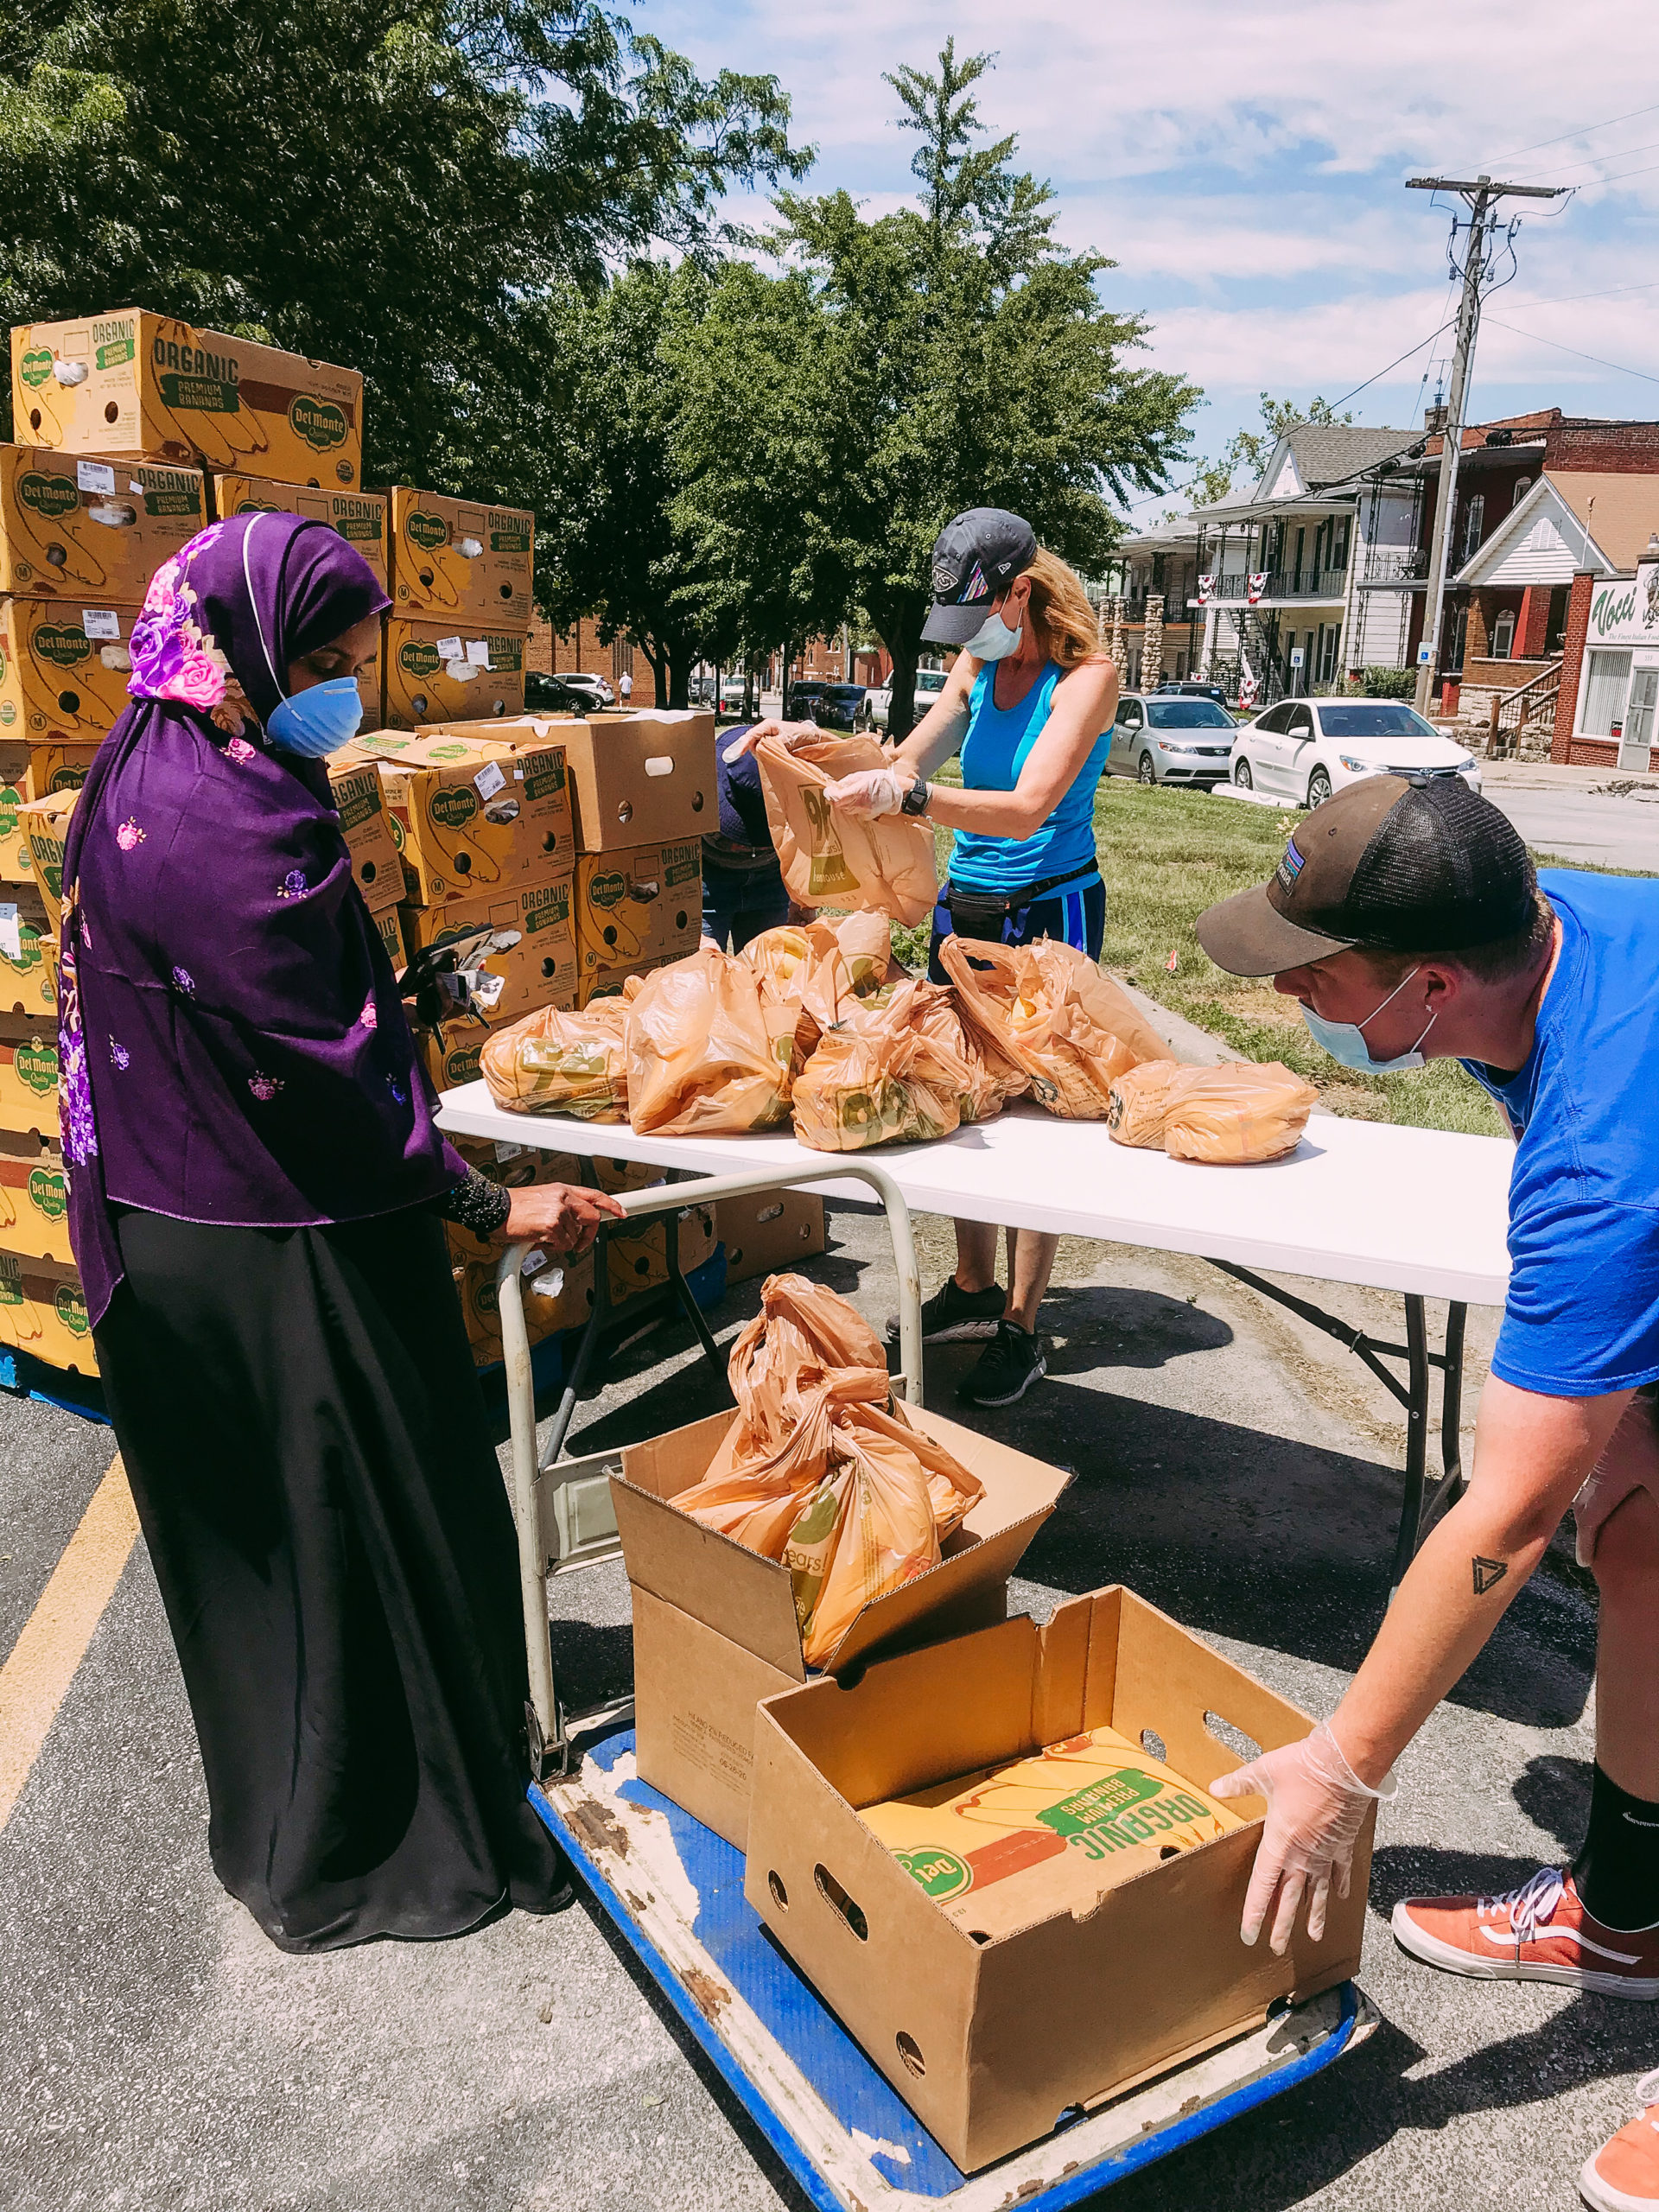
1088,681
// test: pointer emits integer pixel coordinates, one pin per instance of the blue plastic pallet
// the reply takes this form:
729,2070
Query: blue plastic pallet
675,1890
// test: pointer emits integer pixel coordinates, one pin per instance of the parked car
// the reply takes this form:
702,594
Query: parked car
1186,686
929,682
841,706
1304,749
556,695
597,689
803,702
731,694
1164,740
700,691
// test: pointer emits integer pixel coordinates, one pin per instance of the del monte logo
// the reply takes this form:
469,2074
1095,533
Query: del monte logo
58,643
454,808
608,891
46,1193
37,1066
36,366
318,422
427,530
71,1309
418,657
49,496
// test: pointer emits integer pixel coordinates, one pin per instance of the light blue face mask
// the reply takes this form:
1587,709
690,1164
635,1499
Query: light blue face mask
1346,1040
317,721
992,641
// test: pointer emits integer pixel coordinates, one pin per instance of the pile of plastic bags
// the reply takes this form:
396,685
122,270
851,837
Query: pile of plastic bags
555,1062
821,1470
901,1068
1232,1115
1046,1009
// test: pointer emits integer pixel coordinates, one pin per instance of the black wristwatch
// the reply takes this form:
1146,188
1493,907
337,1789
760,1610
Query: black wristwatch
916,798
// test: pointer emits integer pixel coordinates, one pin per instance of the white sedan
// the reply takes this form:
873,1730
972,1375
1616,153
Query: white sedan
1304,749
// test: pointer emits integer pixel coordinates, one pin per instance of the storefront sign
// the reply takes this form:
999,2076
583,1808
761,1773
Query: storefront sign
1626,611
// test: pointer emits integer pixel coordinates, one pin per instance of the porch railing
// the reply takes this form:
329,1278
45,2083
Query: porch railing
1528,710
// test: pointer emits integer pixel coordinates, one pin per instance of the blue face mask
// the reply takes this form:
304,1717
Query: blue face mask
1346,1040
319,719
992,641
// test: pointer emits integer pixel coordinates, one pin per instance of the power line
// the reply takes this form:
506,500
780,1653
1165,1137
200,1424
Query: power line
1593,160
1394,364
1564,298
1622,178
1583,131
1560,348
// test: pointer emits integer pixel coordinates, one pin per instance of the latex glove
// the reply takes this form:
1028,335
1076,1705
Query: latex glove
791,734
564,1216
1316,1807
868,794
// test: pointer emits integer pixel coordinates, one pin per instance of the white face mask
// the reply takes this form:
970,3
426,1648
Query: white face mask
1346,1040
992,641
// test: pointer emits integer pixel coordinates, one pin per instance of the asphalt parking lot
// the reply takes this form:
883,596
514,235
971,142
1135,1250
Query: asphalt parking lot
1232,1465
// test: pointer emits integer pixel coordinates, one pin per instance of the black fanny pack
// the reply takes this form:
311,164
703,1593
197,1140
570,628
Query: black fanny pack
981,914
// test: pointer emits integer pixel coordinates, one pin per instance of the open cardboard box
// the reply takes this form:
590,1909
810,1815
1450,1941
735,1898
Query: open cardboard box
989,2037
642,778
714,1623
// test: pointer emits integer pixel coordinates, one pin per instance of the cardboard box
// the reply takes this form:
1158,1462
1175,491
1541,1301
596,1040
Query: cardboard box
63,666
450,1050
29,973
42,1311
365,824
637,909
92,527
990,2037
539,971
435,672
360,517
610,983
33,1197
28,1077
58,767
472,818
538,743
130,381
43,825
386,921
461,561
769,1232
516,1167
713,1624
642,778
558,1296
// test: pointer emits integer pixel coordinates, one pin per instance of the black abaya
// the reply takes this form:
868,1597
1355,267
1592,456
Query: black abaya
305,1439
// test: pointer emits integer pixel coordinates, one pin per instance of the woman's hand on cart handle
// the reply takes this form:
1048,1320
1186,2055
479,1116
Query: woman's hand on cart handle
790,734
1316,1808
563,1216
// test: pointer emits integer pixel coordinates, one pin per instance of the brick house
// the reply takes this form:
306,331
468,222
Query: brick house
577,649
1610,669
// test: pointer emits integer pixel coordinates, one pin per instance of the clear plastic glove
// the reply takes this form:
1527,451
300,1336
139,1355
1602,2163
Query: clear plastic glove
870,794
1316,1807
789,734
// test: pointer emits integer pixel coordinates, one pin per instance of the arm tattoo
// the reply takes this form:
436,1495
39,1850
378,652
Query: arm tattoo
1488,1573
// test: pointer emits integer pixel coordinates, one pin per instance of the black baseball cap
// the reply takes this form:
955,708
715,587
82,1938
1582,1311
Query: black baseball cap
975,558
1392,864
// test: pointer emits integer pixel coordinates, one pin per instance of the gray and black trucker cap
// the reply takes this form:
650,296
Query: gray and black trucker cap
1391,865
975,558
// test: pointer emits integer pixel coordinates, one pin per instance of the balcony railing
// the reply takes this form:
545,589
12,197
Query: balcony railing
1232,589
1394,564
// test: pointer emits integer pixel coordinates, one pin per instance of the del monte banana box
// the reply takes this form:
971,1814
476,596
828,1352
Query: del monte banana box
359,516
634,909
43,1312
461,561
450,672
29,967
131,382
473,819
535,963
91,525
33,1197
63,666
54,768
45,824
450,1050
29,1075
366,825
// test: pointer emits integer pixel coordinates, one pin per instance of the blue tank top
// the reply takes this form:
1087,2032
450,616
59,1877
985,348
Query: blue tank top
993,754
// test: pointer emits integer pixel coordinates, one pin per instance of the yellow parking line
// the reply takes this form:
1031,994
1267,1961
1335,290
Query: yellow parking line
41,1665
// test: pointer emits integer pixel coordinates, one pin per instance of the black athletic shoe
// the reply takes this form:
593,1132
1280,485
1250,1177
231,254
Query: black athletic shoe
954,1316
1006,1368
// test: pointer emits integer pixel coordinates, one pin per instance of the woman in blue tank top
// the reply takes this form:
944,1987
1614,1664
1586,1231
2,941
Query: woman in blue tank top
1029,706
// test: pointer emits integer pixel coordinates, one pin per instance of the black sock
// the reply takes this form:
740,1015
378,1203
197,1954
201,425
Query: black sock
1617,1873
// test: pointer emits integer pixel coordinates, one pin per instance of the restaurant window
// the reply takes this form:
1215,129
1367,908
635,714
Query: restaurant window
1504,635
1603,693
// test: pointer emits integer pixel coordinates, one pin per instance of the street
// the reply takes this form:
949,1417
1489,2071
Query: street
1588,819
1233,1465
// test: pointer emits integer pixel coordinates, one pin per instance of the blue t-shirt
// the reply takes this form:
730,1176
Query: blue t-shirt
1582,1315
993,754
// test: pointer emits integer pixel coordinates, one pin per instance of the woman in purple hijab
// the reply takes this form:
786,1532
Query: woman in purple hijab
256,1188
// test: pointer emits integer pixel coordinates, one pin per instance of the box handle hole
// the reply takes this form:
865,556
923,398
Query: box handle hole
780,1894
910,2051
773,1212
831,1892
1154,1746
1226,1732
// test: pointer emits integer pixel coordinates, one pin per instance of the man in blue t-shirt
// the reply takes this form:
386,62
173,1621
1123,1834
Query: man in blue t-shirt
1407,919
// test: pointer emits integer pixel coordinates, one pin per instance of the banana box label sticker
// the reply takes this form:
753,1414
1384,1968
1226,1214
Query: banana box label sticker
99,528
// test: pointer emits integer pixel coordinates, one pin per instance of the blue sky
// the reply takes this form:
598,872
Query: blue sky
1244,163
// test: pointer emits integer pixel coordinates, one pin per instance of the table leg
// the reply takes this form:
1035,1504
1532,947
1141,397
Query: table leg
1411,1511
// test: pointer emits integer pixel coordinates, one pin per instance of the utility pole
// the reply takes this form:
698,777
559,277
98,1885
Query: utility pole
1480,196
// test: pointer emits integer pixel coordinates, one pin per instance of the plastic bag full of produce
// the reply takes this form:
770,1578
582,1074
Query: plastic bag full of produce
801,968
708,1051
1047,1008
905,1070
1139,1100
557,1062
884,866
1238,1113
802,1334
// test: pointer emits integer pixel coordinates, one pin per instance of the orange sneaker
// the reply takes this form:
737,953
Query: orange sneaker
1624,2175
1537,1932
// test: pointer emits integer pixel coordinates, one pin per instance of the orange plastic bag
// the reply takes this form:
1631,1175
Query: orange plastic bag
987,1081
1237,1114
802,1334
706,1050
1048,1009
829,859
758,1501
557,1062
1138,1101
876,1083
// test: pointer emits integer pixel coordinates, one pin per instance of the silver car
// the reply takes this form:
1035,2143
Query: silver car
1161,739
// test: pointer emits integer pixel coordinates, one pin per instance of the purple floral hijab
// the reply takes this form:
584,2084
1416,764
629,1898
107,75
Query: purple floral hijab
233,1047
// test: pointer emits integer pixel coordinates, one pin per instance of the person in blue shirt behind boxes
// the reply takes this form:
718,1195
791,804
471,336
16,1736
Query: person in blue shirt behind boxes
743,891
1028,705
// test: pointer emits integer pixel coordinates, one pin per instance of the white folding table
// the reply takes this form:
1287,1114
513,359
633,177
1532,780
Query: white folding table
1422,1212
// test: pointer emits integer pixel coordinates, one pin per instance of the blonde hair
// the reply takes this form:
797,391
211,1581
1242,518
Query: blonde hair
1066,623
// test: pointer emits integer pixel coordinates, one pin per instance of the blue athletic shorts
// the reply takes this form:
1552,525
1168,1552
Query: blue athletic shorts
1075,913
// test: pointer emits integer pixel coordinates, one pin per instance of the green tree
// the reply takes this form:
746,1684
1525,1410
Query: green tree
953,356
394,185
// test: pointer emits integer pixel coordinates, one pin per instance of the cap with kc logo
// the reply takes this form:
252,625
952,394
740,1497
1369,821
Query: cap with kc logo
975,558
1390,864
